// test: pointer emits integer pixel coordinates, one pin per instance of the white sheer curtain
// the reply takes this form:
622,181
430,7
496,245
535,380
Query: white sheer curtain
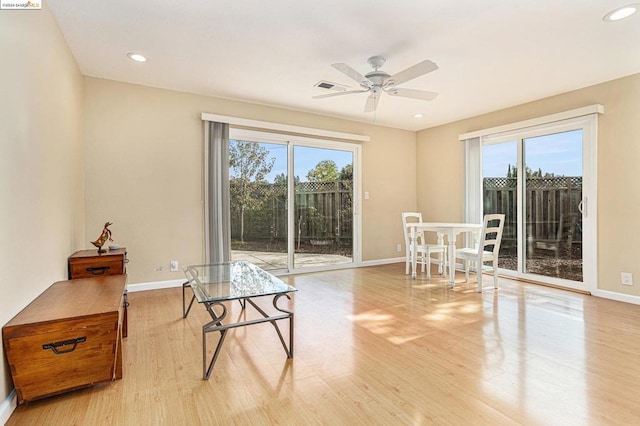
473,184
217,198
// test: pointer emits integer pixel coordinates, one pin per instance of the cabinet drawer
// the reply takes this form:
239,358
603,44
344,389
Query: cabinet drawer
90,264
89,268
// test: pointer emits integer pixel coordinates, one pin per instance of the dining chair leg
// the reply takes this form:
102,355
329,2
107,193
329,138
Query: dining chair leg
407,257
479,273
495,273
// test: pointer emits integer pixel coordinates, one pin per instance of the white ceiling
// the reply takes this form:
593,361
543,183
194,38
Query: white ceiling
492,54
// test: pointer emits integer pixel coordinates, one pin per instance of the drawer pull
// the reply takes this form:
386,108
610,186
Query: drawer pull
54,346
98,271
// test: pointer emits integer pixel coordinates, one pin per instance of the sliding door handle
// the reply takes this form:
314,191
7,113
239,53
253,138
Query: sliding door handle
582,207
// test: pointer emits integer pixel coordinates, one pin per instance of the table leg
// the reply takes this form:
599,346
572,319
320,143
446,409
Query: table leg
185,310
443,256
414,257
216,325
451,238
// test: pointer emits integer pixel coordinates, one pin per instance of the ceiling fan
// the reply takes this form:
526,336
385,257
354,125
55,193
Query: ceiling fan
377,81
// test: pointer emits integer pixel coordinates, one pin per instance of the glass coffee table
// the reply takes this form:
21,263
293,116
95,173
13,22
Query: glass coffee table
214,284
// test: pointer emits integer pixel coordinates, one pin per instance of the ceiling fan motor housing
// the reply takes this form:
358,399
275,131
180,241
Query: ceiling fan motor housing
378,78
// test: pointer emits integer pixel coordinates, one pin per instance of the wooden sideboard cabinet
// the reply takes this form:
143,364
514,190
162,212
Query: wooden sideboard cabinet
88,263
69,337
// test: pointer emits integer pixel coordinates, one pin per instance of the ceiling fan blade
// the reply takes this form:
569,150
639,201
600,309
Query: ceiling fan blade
412,93
417,70
348,92
372,102
352,74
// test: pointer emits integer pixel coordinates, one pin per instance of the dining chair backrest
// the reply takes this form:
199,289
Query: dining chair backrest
410,217
492,233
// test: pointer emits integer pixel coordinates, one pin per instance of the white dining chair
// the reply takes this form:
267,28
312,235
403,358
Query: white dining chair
423,250
486,249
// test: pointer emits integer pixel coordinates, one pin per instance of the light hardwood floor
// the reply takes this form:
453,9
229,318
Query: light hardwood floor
373,346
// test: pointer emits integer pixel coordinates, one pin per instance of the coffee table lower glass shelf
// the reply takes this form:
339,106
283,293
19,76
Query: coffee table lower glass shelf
214,284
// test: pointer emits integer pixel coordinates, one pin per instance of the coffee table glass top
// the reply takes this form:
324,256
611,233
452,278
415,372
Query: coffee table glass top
232,280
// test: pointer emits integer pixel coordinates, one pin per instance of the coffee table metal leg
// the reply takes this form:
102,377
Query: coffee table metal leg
212,326
185,310
290,314
217,325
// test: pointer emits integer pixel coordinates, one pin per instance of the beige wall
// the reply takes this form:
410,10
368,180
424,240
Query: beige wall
41,181
143,172
618,184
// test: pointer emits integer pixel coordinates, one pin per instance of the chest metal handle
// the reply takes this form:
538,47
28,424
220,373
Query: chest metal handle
54,346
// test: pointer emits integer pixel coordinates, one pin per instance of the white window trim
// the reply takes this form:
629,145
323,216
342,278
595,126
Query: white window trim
278,127
547,119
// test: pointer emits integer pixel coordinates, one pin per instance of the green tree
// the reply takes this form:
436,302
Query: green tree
249,163
346,174
281,179
324,171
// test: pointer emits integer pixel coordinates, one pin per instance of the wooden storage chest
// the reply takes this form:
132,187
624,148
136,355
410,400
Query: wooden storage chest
67,338
88,263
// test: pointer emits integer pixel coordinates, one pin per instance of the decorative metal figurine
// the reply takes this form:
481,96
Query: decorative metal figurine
106,235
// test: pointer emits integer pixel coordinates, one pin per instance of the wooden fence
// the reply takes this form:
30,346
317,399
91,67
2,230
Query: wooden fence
551,207
323,213
323,210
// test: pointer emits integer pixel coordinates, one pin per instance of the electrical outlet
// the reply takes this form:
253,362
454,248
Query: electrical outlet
627,278
399,248
173,265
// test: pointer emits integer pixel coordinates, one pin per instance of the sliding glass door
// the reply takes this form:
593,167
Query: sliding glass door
540,178
549,175
323,206
553,193
292,201
258,195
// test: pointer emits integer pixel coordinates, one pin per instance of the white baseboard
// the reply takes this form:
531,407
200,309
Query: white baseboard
620,297
7,407
155,285
382,261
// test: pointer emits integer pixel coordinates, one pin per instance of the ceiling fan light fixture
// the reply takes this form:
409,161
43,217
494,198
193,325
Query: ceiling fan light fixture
418,115
621,12
136,57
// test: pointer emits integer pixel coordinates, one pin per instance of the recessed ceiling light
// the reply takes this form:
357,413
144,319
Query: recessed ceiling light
621,12
418,115
136,57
